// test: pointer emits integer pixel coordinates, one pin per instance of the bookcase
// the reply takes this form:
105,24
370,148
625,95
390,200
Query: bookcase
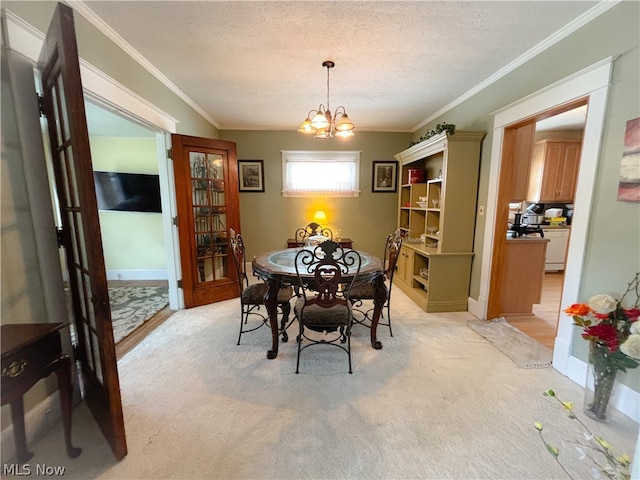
436,273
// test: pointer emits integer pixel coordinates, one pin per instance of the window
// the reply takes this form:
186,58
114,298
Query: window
317,173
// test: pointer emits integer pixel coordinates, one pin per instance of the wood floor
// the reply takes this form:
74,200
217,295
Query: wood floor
542,325
135,337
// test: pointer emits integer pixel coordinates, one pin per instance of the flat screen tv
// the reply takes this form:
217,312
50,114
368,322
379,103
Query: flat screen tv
127,192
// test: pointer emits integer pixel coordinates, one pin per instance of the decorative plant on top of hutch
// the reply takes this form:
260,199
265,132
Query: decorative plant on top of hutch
435,272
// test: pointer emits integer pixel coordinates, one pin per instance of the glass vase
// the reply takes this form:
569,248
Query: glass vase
600,384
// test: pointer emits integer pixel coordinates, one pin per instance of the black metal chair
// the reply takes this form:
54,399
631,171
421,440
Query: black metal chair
252,296
313,229
366,291
323,306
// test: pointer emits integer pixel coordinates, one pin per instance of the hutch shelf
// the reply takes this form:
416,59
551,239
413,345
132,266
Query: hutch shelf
435,273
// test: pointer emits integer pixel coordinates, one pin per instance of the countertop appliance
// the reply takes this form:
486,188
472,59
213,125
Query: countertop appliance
553,212
518,228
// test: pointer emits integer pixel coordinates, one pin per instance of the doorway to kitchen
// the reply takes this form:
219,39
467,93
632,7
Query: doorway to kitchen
560,130
592,85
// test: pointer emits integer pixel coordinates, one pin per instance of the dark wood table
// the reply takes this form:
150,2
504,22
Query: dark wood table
277,269
30,352
343,242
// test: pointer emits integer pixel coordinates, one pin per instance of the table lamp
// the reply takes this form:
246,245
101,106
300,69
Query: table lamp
320,217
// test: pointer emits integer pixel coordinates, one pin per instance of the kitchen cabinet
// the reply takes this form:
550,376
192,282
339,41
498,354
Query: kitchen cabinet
451,163
554,171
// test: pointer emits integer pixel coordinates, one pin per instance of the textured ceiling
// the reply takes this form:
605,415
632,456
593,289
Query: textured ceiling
258,65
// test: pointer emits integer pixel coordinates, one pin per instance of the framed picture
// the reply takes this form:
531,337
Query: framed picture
385,176
251,175
629,183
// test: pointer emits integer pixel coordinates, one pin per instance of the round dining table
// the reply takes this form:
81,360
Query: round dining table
277,268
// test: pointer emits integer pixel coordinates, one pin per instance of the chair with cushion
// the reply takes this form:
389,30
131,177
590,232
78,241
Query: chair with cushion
252,296
313,233
323,307
366,292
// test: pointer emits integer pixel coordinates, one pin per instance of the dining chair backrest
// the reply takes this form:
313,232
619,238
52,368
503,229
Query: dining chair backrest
303,233
328,263
391,253
238,254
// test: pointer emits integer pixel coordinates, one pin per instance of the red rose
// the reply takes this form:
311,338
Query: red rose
632,313
603,332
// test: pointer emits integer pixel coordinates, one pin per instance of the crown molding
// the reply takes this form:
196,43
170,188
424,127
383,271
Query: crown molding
564,32
96,21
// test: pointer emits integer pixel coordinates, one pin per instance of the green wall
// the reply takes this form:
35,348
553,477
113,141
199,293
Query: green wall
268,219
95,48
130,240
613,243
21,298
613,255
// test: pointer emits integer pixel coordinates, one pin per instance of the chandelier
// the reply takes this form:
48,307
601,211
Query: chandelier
320,121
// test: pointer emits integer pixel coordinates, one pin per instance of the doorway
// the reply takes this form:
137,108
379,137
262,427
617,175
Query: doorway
542,325
592,84
125,160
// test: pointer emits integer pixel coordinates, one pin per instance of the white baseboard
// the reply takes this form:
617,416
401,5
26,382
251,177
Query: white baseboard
476,307
37,422
134,274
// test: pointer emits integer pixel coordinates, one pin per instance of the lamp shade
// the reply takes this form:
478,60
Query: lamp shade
320,120
344,124
320,217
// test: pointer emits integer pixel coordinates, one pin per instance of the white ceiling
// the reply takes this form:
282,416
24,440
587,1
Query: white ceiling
258,65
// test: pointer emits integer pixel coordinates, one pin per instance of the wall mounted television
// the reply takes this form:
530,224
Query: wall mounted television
127,192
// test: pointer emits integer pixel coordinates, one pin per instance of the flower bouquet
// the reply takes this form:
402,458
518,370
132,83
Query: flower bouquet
614,335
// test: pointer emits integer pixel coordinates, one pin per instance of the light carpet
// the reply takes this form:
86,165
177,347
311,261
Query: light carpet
523,350
132,306
437,402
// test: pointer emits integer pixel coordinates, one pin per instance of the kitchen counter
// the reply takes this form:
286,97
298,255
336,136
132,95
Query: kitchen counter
555,227
522,275
526,238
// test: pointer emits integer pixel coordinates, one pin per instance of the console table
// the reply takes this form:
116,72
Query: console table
343,242
30,352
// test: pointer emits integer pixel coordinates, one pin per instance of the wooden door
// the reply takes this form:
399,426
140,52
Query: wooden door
517,148
63,105
517,138
207,197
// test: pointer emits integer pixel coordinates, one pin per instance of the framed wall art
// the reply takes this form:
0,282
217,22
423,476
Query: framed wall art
385,176
251,175
629,184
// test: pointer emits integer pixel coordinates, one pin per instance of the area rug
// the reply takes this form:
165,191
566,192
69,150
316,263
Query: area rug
132,306
523,350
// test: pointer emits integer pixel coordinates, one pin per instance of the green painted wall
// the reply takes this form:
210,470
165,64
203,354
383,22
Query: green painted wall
615,33
95,48
130,240
268,218
613,253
